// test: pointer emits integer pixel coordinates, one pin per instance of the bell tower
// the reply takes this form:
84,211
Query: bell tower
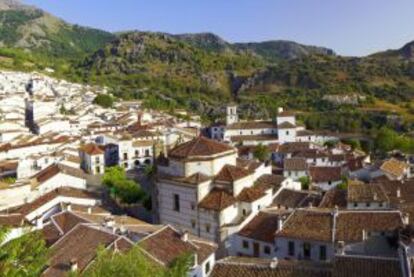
231,116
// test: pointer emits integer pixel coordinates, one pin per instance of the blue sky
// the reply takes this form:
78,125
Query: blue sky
350,27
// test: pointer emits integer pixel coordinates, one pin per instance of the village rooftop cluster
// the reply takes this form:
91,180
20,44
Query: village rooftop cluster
312,205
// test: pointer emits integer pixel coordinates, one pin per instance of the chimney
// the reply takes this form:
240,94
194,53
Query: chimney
375,196
274,263
280,223
73,265
398,192
406,218
280,110
364,235
122,230
195,259
89,210
310,205
109,222
184,236
69,207
39,223
341,247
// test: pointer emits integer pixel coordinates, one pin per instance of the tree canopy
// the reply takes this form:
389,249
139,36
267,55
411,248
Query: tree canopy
261,152
134,263
122,188
25,256
388,140
104,100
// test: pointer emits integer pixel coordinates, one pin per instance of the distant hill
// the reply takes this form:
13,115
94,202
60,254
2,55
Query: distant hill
404,53
282,49
174,65
202,72
29,28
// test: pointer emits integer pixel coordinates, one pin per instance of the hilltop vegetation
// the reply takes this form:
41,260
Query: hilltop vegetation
38,32
202,72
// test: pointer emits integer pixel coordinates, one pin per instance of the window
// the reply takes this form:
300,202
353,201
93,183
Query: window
291,248
208,228
251,132
97,160
192,205
322,252
266,250
125,156
245,244
244,212
147,153
176,203
368,204
355,204
258,207
136,153
329,182
207,268
126,165
193,223
306,250
287,133
98,170
380,204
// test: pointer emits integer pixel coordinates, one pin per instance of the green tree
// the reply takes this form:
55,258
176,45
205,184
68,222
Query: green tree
305,182
386,139
104,100
261,152
122,188
134,263
23,256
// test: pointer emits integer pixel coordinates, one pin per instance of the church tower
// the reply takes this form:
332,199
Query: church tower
232,116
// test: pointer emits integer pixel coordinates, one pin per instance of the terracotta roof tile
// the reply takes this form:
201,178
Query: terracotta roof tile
69,192
66,221
81,245
230,173
286,125
291,147
394,167
217,200
251,194
167,245
360,192
255,267
325,174
92,149
295,164
262,227
359,266
334,198
199,147
308,225
47,173
350,224
11,220
250,125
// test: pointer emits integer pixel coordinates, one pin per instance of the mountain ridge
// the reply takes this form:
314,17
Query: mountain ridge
202,71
